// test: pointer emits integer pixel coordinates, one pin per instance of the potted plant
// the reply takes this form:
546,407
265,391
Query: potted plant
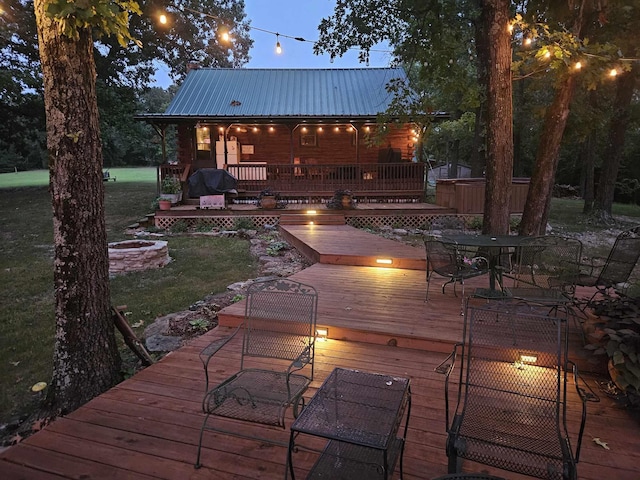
164,203
171,188
270,199
342,200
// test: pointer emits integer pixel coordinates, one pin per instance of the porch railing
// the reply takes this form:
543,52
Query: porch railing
379,179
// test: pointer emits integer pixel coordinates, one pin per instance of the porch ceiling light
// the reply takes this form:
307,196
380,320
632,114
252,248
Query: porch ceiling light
311,212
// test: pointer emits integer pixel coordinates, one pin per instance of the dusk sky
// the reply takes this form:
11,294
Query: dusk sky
295,18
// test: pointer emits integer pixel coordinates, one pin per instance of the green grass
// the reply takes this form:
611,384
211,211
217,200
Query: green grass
36,178
200,266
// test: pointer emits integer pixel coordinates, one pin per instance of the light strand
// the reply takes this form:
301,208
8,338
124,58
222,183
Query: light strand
163,20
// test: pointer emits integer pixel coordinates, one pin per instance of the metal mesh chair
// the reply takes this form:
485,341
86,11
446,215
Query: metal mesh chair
280,324
511,404
448,260
546,270
617,268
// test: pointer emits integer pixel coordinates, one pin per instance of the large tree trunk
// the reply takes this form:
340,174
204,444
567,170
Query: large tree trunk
538,204
495,18
613,154
86,358
534,217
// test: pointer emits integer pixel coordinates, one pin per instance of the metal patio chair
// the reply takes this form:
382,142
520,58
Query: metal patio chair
614,274
448,260
511,401
279,328
546,270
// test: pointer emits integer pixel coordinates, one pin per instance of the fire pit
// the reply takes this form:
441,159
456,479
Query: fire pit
136,255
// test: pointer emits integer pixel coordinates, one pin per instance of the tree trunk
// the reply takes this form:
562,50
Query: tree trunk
495,18
603,203
534,217
86,359
538,204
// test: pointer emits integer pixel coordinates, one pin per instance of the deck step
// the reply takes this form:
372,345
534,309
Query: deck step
317,219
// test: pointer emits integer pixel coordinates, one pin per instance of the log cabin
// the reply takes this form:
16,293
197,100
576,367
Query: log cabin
304,133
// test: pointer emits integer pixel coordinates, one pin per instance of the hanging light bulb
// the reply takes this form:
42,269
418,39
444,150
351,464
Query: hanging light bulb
163,19
225,36
613,72
278,47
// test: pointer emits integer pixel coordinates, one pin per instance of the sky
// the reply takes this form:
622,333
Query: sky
295,18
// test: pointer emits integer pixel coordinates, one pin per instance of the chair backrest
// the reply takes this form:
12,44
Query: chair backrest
280,319
548,263
516,355
622,258
440,255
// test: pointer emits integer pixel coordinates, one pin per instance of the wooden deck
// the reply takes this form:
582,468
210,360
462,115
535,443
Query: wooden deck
148,426
346,245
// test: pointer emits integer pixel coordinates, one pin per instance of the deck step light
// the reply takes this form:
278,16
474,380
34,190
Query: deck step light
384,261
527,358
322,334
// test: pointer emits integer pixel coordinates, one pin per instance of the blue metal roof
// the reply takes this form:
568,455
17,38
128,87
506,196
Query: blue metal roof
226,93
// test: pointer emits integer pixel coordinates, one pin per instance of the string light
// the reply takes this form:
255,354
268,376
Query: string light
613,72
227,37
577,65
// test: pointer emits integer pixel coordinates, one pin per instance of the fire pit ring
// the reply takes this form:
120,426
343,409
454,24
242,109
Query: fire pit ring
137,255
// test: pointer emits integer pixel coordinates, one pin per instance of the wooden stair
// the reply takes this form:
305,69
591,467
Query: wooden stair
317,219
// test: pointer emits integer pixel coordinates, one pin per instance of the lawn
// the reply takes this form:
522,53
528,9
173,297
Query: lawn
200,266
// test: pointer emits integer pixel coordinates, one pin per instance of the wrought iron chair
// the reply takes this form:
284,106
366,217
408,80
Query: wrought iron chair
279,326
617,268
546,270
511,403
448,260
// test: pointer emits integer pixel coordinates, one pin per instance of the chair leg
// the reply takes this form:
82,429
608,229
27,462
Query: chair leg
204,424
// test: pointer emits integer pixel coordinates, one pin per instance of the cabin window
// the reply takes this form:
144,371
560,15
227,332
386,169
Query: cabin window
308,140
203,138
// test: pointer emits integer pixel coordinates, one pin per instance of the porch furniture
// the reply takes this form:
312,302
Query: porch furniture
446,259
617,268
546,270
511,400
359,415
280,324
497,249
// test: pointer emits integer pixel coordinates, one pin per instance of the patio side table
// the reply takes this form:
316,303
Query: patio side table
359,413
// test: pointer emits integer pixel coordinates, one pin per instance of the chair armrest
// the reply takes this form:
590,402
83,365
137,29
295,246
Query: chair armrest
300,361
210,350
586,394
595,263
445,368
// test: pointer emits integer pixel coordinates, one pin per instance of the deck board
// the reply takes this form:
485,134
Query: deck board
148,426
346,245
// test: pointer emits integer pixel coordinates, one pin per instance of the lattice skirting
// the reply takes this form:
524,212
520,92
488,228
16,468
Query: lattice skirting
407,221
223,223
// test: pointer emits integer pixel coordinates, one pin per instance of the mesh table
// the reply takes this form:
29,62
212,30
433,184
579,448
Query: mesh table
359,414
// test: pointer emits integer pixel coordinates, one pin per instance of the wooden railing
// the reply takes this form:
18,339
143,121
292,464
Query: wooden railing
406,179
